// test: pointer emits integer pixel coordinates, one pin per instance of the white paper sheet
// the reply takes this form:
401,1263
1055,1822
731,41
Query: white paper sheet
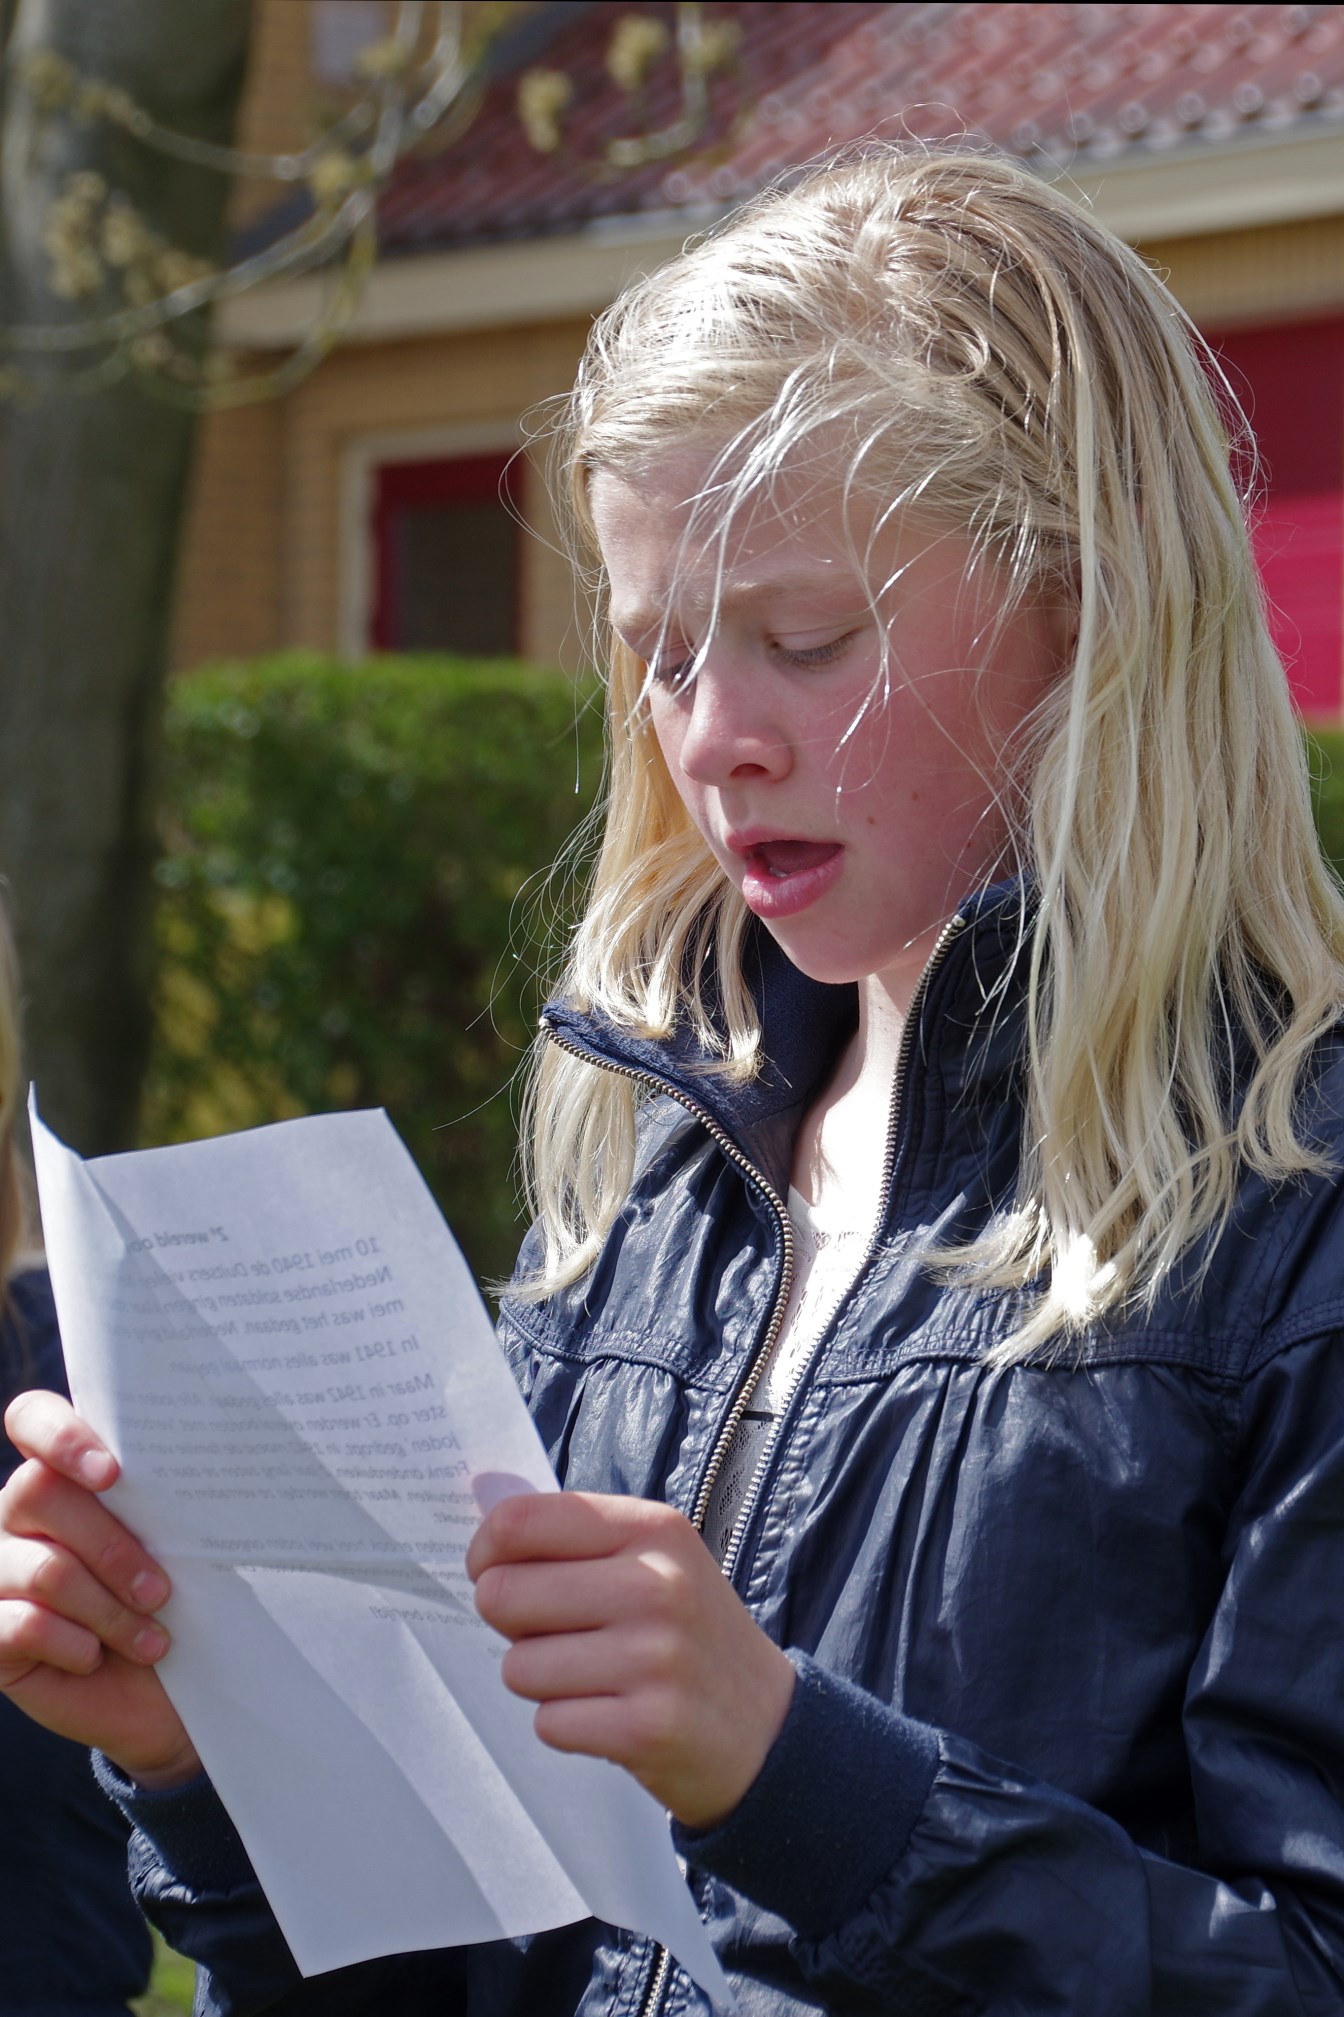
277,1335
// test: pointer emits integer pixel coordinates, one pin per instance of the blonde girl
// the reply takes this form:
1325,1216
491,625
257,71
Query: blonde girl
933,1303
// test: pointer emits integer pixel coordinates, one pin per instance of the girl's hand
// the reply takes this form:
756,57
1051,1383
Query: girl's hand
78,1639
637,1649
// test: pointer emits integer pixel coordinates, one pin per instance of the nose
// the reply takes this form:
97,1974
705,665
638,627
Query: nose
726,730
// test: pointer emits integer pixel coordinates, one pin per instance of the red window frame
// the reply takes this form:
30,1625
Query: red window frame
436,482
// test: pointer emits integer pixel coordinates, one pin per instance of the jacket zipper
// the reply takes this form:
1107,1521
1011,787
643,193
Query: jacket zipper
662,1959
736,1155
652,1998
754,1489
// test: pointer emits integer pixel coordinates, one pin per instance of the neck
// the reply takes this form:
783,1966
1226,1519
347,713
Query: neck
841,1143
843,1139
876,1042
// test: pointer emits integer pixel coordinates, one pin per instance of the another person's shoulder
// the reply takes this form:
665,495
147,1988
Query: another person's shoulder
31,1308
30,1345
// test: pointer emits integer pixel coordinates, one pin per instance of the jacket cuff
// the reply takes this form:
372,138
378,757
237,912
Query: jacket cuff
830,1811
188,1828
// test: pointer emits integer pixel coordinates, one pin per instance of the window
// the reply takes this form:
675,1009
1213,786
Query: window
1291,382
446,540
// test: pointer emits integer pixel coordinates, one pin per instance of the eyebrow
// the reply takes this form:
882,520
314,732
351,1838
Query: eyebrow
641,623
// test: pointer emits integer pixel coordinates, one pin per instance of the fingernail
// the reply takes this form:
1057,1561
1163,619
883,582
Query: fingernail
149,1590
489,1487
149,1642
95,1468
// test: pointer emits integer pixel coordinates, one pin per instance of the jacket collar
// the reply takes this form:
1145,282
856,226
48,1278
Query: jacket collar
968,1030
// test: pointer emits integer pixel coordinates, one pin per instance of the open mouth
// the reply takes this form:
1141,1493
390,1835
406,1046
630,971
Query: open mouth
785,876
782,858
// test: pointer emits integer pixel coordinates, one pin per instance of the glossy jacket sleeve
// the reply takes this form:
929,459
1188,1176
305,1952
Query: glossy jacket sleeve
192,1877
1007,1894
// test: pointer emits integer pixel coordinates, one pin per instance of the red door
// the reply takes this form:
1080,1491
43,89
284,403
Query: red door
1290,380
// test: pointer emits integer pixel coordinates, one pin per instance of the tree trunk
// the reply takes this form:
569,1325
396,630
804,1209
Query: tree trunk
91,497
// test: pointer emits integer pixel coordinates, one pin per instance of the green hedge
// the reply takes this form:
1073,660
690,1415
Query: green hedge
352,881
353,895
1327,769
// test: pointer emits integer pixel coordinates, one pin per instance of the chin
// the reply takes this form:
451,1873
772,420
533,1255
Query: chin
826,964
896,968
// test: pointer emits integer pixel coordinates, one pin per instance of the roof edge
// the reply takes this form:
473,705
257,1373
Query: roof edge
1191,191
522,282
1201,189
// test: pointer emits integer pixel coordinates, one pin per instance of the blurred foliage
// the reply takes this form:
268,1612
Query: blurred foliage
1326,750
172,1988
355,906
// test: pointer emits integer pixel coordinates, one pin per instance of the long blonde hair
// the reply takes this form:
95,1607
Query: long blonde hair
987,354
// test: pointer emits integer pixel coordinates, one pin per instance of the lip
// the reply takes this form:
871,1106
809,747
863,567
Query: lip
772,896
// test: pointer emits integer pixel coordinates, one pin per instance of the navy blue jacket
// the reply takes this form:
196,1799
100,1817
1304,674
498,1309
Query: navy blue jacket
72,1941
1068,1739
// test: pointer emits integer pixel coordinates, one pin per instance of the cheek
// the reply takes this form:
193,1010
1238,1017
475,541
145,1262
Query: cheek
924,778
890,754
954,733
668,734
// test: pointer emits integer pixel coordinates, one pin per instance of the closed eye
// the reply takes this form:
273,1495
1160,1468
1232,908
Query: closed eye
673,675
815,654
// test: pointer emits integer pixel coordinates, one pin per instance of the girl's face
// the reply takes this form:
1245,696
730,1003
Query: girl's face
840,735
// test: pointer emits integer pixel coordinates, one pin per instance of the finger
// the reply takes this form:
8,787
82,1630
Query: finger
585,1726
637,1732
118,1708
574,1666
559,1526
655,1732
40,1504
44,1425
541,1526
538,1598
38,1576
34,1641
33,1638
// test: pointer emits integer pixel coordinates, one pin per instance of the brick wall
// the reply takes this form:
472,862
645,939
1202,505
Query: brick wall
228,601
267,541
279,101
1280,272
267,552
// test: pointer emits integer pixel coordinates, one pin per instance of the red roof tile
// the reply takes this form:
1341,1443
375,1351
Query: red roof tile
1070,85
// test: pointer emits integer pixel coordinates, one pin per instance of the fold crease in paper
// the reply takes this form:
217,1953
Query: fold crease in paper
278,1337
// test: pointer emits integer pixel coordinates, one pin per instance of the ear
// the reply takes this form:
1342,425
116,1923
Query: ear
1066,635
1062,599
